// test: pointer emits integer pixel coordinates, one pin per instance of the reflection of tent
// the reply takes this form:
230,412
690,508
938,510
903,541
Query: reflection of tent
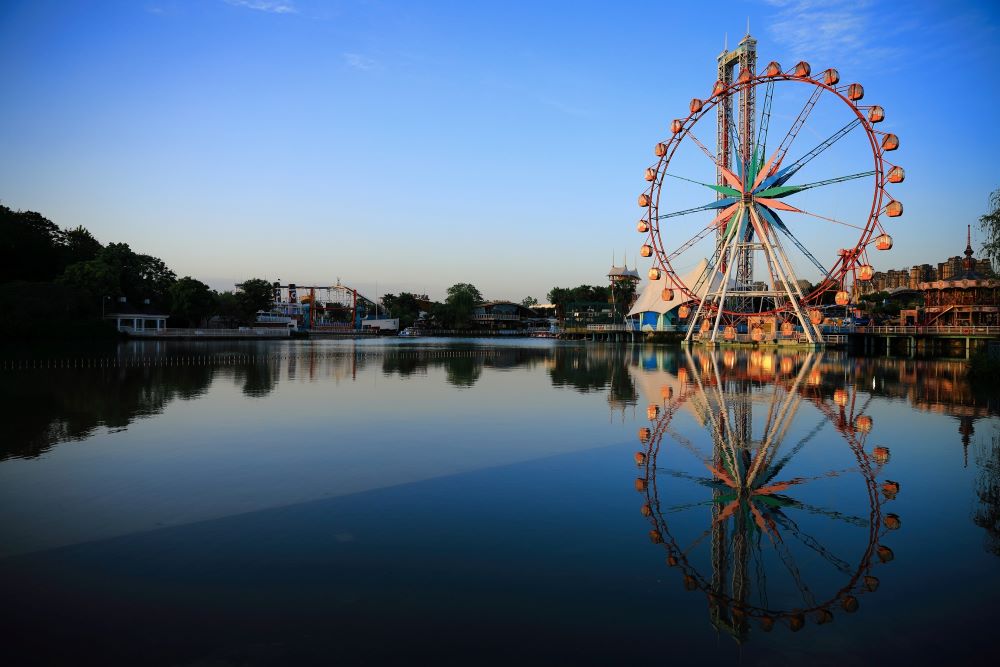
655,376
653,313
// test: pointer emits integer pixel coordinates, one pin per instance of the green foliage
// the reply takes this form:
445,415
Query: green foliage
47,310
989,222
80,245
255,294
984,370
529,302
561,297
227,307
456,311
405,306
95,278
463,291
32,247
118,271
623,293
191,301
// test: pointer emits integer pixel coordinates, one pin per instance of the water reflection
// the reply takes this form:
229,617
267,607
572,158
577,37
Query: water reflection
789,537
595,369
66,405
781,491
987,512
68,399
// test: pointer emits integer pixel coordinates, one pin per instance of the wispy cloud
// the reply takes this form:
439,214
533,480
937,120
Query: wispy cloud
564,108
358,61
270,6
834,31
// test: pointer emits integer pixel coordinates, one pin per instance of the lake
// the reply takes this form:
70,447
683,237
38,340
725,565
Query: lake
485,501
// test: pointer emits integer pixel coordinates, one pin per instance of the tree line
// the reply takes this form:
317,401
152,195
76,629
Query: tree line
56,282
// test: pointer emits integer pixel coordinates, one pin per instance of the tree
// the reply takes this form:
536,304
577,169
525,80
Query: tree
989,222
227,307
561,297
623,292
95,278
456,311
529,302
255,294
31,247
191,300
406,307
80,245
466,289
118,271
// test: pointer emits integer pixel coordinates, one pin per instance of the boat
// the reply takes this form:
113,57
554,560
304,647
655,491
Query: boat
409,332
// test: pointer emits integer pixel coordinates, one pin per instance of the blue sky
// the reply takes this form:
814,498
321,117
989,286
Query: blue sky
417,145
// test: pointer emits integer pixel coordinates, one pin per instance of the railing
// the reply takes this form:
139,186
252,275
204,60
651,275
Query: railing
246,332
470,333
798,337
985,330
609,327
490,317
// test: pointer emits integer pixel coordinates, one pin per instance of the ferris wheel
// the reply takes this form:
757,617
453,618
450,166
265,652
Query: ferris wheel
783,212
773,553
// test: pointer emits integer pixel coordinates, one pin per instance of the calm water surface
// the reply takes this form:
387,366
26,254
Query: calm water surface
486,502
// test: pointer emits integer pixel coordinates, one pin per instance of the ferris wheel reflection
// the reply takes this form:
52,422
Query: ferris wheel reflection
794,533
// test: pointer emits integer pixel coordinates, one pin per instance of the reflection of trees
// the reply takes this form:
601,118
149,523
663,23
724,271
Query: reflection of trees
404,365
54,406
258,379
463,368
987,514
463,371
594,369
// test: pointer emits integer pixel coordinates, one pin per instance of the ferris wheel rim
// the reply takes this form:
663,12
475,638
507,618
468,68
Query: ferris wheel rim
845,264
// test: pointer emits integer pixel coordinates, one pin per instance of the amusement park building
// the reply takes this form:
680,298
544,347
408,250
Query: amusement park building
136,318
651,312
969,296
505,315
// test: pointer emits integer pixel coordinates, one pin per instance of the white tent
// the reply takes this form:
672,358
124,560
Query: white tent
650,307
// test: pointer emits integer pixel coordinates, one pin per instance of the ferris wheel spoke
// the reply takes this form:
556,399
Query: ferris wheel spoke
834,220
779,155
765,119
737,143
791,527
822,511
777,487
711,156
723,189
798,244
781,191
680,508
788,560
718,203
781,176
773,471
724,514
704,232
702,481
